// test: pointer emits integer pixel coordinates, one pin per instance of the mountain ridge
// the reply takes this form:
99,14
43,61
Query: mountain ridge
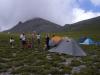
37,24
42,25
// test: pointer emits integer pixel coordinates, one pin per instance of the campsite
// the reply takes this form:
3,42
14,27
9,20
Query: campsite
16,61
49,37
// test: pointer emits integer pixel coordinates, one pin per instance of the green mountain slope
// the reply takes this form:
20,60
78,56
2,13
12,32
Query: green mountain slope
86,25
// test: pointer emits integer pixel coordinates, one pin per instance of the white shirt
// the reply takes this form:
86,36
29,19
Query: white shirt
22,37
38,36
11,40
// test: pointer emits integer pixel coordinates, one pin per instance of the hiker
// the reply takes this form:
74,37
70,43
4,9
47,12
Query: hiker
47,41
29,44
33,38
11,42
23,40
38,39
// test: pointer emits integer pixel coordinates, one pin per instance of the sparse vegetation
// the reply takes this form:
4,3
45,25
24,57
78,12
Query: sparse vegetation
35,61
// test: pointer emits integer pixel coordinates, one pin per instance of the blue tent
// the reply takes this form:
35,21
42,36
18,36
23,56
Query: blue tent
97,43
88,41
82,39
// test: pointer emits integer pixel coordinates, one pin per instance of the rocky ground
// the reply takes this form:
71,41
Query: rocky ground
41,62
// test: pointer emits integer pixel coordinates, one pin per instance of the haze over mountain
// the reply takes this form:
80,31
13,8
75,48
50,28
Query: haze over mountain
41,25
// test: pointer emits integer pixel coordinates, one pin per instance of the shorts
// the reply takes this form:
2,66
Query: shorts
23,42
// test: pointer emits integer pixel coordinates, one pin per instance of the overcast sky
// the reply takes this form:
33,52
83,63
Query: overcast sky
58,11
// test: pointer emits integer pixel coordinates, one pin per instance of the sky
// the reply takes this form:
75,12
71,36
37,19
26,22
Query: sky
58,11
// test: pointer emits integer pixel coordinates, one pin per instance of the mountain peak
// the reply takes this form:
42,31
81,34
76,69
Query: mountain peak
42,25
36,24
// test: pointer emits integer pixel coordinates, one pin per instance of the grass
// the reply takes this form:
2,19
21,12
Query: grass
35,61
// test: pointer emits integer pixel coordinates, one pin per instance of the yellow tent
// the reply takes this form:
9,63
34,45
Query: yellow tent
56,39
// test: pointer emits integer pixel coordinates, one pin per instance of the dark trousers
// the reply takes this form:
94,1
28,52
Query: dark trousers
32,43
38,41
47,45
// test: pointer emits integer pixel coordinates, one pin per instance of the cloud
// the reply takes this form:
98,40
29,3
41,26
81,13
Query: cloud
80,14
13,11
96,2
58,11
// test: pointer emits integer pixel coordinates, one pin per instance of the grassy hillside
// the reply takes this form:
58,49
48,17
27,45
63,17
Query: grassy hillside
38,61
90,25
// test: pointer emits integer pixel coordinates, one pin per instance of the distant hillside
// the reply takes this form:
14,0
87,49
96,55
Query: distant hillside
37,24
86,25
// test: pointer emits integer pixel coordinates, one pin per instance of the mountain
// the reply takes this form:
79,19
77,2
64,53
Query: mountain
37,24
41,25
86,25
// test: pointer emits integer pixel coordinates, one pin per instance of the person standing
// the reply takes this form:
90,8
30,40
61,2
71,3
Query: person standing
38,39
11,42
23,40
47,41
33,38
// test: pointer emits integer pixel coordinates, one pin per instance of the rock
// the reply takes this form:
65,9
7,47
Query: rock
6,59
75,70
79,59
82,66
14,54
60,70
67,61
5,73
78,69
48,57
49,74
66,74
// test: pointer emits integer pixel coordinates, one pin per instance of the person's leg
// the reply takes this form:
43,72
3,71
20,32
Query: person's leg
48,47
38,43
32,43
23,44
12,44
